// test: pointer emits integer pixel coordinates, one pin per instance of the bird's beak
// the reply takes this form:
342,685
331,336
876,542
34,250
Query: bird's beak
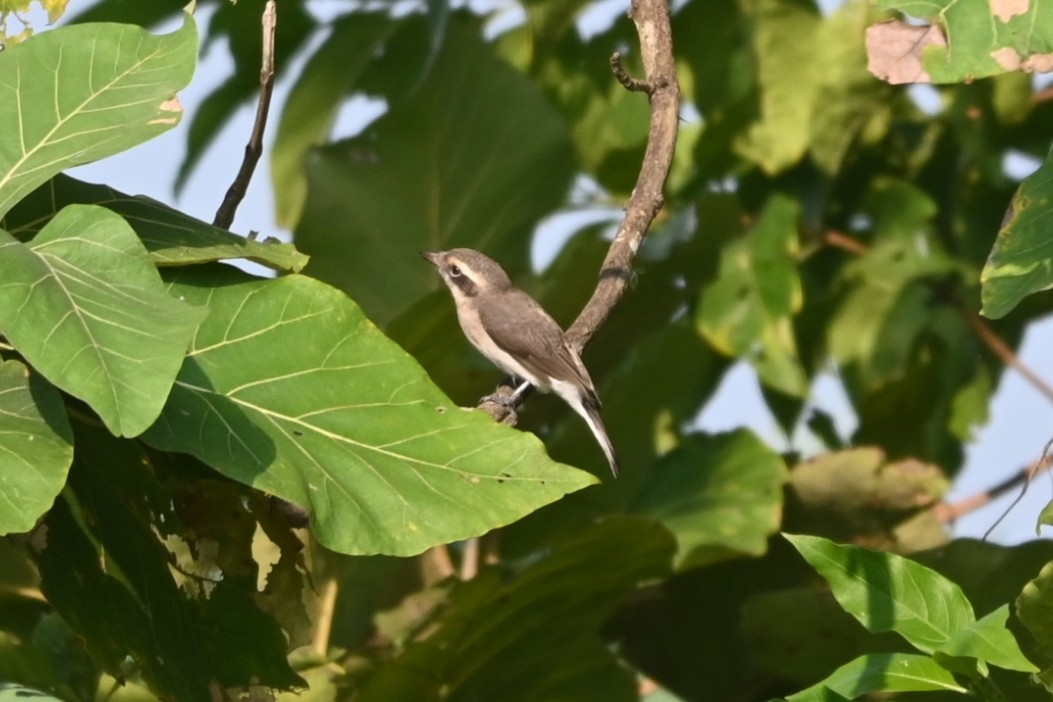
432,257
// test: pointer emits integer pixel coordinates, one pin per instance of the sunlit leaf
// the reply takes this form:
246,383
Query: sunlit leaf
1021,260
83,303
988,640
886,592
881,672
349,426
76,94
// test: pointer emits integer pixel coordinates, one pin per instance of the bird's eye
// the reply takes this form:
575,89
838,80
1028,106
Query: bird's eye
455,271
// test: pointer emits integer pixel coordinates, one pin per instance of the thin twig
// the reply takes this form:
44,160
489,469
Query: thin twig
254,149
950,512
1001,349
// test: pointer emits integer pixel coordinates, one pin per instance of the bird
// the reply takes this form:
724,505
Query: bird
516,334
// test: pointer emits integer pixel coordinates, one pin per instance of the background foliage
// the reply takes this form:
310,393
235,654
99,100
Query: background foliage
169,423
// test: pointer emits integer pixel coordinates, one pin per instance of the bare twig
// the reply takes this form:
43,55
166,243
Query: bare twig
651,18
254,149
1001,349
950,512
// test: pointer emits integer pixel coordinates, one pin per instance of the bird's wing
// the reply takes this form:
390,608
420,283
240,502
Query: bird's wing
535,340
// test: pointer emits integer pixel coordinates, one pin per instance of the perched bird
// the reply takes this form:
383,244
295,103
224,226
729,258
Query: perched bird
512,330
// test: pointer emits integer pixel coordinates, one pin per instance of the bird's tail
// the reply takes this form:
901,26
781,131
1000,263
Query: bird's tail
591,413
589,408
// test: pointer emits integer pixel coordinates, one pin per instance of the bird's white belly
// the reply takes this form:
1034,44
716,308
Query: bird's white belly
473,329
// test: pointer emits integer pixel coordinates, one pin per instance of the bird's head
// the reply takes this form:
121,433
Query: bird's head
467,272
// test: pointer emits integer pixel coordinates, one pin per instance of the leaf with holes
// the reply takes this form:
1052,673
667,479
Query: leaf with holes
84,305
288,387
77,94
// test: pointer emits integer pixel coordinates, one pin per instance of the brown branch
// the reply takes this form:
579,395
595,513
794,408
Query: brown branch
1001,349
254,149
651,18
949,512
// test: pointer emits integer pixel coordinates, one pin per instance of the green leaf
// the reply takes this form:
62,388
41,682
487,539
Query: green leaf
988,640
36,446
330,73
348,426
881,672
967,40
171,237
1021,260
1034,607
534,636
886,592
729,508
747,311
85,306
438,170
77,94
789,78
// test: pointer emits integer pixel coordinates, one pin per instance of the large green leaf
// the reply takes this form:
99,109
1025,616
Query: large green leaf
441,169
880,672
886,592
172,237
720,496
85,306
1021,260
347,425
76,94
36,446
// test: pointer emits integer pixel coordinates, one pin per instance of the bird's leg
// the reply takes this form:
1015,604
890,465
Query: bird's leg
518,392
500,398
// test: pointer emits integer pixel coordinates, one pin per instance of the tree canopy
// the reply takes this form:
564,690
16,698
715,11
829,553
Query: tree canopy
217,484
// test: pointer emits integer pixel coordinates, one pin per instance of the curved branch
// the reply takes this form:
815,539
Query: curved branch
651,18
